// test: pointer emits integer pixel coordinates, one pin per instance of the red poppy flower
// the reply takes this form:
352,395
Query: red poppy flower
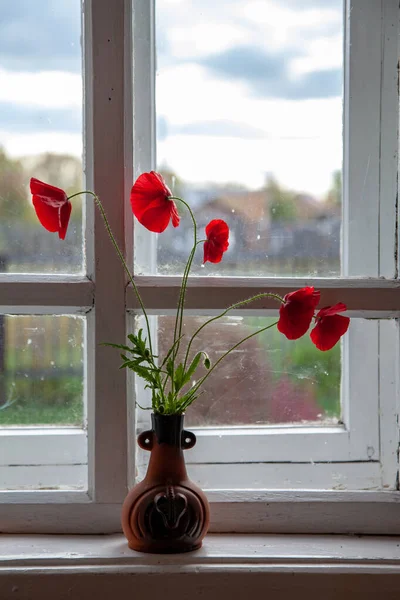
52,207
296,312
151,203
217,232
329,326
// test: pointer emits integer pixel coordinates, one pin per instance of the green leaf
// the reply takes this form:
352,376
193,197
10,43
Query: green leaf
138,342
192,368
132,364
186,400
119,346
133,338
170,367
170,399
170,350
145,374
126,364
179,377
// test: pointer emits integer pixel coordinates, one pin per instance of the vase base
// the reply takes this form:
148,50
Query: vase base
158,549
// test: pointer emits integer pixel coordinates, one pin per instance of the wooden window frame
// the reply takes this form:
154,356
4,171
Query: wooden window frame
118,147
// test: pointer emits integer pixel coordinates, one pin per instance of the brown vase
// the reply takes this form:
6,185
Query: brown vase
166,512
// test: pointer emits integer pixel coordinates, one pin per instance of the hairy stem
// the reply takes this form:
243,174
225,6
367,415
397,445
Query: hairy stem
181,301
121,257
232,307
199,383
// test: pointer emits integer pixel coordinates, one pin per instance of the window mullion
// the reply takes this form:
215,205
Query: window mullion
367,297
362,121
144,118
389,401
105,168
389,141
45,295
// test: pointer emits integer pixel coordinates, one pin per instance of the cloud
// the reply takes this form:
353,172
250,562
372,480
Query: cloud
162,128
47,89
30,119
319,84
267,74
37,35
247,63
307,4
219,128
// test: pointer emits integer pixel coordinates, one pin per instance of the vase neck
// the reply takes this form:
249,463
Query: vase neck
168,429
167,461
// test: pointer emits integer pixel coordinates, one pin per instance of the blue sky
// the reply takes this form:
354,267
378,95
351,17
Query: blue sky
40,35
245,88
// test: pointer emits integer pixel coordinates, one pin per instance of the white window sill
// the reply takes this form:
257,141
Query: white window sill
43,566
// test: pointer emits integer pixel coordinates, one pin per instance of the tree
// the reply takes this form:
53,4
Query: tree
62,170
13,194
335,193
282,205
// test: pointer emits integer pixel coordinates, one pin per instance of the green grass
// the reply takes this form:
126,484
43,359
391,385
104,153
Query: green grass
304,364
57,401
36,414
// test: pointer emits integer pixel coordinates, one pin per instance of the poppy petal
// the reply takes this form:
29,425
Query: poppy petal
151,185
297,311
331,310
65,213
217,242
212,253
47,214
53,195
294,323
156,219
174,214
328,331
52,206
151,204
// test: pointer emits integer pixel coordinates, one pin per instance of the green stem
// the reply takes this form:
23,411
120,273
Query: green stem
188,402
170,351
121,257
187,270
196,387
164,383
181,301
232,307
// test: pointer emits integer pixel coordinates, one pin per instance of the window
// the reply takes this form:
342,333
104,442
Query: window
276,456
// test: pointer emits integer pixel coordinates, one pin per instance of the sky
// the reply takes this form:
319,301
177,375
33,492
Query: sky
245,89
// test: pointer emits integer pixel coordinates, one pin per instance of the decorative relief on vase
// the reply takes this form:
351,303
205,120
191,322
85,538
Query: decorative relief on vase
166,512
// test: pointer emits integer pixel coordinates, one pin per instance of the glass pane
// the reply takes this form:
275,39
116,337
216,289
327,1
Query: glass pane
41,370
41,389
249,129
268,380
40,130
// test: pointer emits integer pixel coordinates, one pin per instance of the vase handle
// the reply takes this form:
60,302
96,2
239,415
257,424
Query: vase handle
188,439
145,439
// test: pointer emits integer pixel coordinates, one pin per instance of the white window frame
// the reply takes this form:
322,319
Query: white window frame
350,455
292,500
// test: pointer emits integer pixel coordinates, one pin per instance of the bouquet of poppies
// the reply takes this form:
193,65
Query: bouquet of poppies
171,378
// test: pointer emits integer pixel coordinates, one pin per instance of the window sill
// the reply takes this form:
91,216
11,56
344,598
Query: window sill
43,566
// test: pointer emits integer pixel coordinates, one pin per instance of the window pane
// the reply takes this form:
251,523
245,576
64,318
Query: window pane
268,380
41,370
249,129
41,390
40,129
